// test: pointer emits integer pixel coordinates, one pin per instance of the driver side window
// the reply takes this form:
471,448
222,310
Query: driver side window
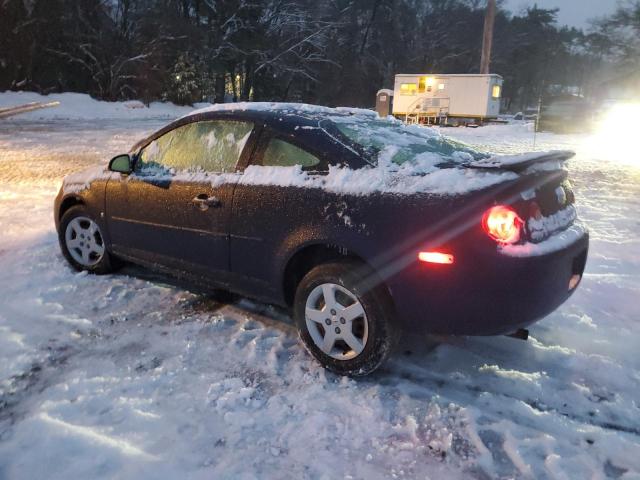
208,146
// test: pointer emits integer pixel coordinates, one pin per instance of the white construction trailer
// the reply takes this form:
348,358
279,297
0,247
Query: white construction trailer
432,98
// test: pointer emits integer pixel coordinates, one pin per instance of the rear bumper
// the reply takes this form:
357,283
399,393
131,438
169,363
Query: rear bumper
491,293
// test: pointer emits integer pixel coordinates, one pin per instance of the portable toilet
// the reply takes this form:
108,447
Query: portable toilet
384,102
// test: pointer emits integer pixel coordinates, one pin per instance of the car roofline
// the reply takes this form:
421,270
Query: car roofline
282,119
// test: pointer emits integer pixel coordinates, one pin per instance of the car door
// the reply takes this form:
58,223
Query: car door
261,220
174,208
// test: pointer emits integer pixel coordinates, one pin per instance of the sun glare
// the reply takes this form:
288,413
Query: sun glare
616,137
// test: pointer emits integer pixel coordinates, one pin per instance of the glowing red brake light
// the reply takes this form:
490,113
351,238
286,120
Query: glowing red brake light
503,224
435,257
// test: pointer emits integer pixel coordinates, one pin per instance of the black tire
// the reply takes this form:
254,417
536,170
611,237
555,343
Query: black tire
377,305
106,263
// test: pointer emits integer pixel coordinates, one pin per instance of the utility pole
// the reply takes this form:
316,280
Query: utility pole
487,36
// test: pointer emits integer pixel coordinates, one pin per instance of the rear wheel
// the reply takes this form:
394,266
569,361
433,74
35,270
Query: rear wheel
344,325
82,242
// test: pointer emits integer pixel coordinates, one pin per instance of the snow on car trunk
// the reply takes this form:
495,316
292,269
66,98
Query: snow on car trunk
129,375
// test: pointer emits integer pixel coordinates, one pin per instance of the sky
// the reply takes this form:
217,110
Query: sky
575,13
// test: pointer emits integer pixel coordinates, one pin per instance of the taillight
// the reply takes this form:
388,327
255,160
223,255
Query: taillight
502,223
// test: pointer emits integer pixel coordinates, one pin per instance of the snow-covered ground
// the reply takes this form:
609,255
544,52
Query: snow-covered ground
131,376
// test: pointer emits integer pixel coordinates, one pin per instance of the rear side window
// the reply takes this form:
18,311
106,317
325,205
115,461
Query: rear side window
283,154
394,141
209,146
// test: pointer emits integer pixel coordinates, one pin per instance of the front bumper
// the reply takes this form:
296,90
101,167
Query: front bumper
56,208
491,293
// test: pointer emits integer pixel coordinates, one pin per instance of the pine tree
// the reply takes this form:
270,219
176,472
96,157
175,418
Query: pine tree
183,88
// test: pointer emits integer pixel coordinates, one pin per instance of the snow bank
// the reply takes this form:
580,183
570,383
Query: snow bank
80,106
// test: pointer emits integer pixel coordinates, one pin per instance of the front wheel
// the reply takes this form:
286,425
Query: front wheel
82,242
344,323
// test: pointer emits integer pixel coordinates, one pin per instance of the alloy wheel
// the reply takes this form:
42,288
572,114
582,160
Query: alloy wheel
84,241
336,321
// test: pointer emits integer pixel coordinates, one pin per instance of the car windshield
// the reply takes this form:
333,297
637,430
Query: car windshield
393,141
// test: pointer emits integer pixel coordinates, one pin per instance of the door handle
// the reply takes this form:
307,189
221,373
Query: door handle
204,201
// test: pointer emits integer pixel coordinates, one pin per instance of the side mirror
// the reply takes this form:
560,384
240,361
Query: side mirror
121,164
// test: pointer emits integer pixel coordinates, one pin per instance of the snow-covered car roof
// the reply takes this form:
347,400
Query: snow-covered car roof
304,110
360,131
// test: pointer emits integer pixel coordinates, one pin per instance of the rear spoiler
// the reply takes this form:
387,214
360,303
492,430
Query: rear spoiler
520,162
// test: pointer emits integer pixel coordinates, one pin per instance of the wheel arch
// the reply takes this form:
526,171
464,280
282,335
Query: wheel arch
308,256
67,203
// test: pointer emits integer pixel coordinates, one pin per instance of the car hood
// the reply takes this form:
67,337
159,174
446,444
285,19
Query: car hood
82,180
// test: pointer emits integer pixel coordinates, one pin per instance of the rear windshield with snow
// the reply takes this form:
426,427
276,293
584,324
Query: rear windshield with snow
389,141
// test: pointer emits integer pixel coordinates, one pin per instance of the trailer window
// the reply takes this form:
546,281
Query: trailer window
425,84
407,89
495,92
